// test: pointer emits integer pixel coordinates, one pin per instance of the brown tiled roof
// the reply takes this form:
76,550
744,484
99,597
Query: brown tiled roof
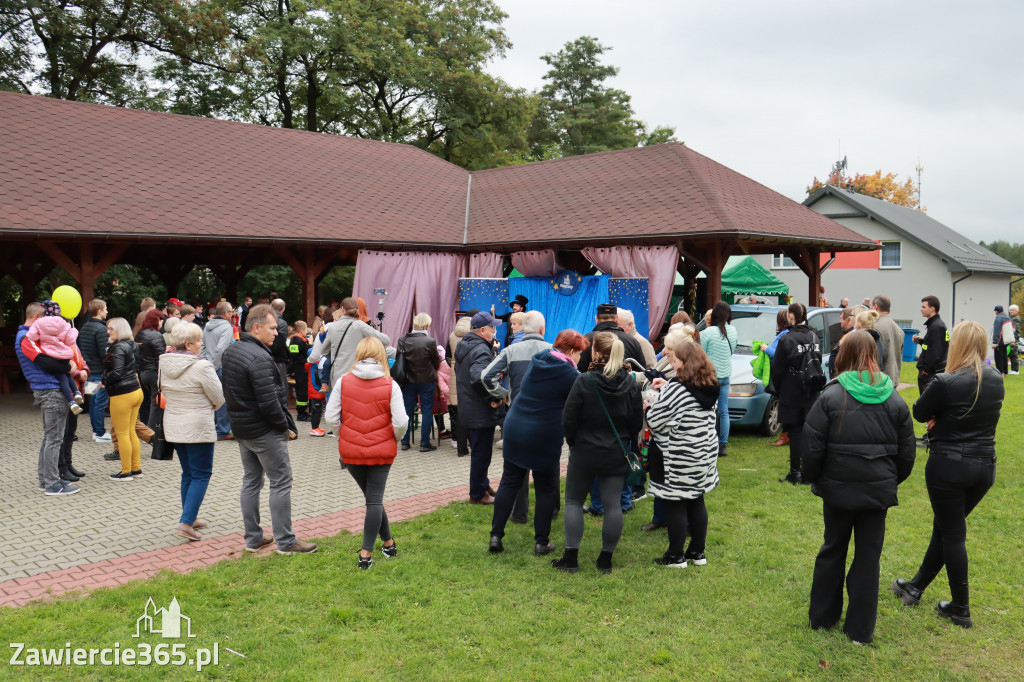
652,192
88,169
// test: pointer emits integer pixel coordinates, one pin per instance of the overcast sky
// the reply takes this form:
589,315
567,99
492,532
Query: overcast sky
780,90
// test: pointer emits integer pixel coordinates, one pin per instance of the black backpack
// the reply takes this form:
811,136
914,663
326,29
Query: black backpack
807,368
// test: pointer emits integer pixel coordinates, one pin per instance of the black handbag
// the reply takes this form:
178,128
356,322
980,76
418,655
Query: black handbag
162,450
398,370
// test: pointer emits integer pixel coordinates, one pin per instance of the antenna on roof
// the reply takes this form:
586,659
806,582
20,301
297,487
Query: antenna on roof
837,171
920,168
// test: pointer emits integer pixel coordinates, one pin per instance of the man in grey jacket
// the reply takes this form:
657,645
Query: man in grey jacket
892,336
217,337
342,337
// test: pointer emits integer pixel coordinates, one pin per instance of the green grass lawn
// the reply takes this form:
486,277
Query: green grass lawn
447,609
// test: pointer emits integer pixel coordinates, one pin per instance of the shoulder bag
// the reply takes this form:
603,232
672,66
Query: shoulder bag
162,450
398,370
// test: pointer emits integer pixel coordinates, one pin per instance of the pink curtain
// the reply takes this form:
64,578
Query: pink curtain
657,263
416,282
484,265
536,263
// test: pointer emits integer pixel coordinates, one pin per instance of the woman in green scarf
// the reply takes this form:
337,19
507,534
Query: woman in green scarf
860,447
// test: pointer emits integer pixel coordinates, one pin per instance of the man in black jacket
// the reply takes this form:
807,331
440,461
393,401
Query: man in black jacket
478,410
934,345
279,349
421,363
254,390
92,341
607,321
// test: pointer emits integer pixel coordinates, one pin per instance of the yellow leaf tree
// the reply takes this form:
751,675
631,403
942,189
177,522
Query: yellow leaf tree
885,186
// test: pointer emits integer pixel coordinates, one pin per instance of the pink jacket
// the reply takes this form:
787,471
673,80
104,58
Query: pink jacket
444,373
54,336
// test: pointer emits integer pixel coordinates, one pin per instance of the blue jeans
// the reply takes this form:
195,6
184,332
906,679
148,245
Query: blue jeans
723,410
220,417
196,466
98,403
425,392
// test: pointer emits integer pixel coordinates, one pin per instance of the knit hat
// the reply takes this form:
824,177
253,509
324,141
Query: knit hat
51,308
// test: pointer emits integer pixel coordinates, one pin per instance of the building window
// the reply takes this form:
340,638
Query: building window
781,261
891,255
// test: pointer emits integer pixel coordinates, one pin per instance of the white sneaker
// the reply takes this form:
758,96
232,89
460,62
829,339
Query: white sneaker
500,444
454,444
1015,373
105,438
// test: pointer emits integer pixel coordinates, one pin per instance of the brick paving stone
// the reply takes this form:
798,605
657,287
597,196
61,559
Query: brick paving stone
112,532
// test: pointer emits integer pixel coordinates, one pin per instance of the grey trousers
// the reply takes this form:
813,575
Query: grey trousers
54,408
267,454
371,479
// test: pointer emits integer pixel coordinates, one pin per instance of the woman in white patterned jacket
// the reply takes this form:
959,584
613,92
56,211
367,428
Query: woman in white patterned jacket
682,421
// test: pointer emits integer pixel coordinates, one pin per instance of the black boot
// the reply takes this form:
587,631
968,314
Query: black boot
722,449
960,614
568,562
794,476
66,475
604,563
74,471
907,591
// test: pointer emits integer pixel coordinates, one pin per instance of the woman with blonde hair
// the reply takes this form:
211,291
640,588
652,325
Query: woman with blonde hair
602,414
866,320
368,414
121,381
961,409
193,392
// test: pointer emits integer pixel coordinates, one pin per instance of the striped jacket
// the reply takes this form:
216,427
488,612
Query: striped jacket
682,422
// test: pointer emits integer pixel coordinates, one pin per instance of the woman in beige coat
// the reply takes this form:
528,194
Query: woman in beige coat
192,390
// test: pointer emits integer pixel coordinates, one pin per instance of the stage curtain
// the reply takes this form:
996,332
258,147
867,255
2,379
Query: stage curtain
416,282
562,312
657,263
484,265
536,263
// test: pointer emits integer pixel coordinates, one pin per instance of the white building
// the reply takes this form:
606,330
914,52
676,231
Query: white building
919,256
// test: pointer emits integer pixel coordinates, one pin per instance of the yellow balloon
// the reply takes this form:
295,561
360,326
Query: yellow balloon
69,300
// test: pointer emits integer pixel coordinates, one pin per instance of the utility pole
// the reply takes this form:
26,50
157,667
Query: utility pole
920,168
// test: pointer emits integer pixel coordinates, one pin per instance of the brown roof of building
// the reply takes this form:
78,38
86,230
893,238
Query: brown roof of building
648,192
88,169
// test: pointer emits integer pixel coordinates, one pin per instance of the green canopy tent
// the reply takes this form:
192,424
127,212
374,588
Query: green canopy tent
748,277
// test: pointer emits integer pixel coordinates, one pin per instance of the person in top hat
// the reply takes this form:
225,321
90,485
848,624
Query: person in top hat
516,305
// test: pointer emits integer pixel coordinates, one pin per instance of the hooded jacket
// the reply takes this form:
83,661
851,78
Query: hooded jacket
253,389
55,336
682,422
339,344
193,391
997,327
368,414
217,336
860,443
533,435
963,426
472,356
593,445
792,401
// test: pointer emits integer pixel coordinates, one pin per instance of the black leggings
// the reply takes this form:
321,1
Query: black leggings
577,485
371,479
955,487
316,412
677,514
797,444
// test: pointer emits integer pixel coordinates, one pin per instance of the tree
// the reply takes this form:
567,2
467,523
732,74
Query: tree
90,49
886,187
581,113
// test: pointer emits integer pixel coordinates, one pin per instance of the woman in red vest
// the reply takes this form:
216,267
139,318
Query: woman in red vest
368,414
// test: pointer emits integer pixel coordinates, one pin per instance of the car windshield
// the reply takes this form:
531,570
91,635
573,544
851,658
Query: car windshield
752,325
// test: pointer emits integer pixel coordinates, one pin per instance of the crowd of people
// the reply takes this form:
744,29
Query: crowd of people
626,412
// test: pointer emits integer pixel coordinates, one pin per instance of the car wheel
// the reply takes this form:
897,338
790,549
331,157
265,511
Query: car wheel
770,425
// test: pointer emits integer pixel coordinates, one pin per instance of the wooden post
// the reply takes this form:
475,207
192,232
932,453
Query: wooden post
308,268
809,261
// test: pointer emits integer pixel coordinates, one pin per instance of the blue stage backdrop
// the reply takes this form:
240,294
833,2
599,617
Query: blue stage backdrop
560,311
631,293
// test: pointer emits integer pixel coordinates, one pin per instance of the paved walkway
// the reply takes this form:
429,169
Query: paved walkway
114,532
